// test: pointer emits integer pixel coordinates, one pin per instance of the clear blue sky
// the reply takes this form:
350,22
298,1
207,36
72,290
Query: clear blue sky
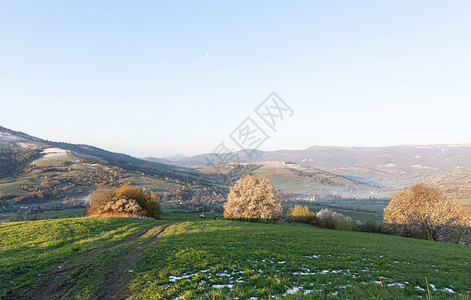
154,78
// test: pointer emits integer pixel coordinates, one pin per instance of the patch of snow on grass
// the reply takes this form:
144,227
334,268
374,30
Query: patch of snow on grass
175,278
448,290
296,290
221,286
401,285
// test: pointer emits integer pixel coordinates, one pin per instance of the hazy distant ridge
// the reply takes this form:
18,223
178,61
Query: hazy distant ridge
406,157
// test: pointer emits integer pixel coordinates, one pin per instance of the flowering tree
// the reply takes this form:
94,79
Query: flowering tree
252,198
332,219
328,213
426,210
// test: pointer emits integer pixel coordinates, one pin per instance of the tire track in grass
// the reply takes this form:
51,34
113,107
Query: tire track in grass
116,279
112,279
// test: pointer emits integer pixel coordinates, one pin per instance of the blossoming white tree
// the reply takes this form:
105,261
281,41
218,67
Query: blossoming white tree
252,198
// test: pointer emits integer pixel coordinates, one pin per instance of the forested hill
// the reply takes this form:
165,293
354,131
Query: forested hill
17,149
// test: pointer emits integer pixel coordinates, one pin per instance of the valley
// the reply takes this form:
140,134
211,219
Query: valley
235,150
45,175
290,177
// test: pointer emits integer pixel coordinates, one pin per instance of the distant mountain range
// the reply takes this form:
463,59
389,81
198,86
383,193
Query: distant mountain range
398,158
448,166
169,160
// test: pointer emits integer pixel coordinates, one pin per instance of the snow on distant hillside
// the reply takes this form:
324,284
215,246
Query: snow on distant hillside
8,137
53,152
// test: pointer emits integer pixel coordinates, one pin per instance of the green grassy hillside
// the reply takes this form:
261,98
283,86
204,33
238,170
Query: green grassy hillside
86,258
35,172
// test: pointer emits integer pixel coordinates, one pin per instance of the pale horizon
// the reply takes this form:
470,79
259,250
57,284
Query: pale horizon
180,78
262,148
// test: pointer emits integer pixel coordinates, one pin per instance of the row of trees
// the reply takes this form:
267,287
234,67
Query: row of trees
330,219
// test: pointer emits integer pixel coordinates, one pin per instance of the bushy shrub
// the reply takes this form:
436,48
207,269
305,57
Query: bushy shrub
328,218
327,213
370,226
384,229
127,200
302,214
99,200
345,225
146,200
123,205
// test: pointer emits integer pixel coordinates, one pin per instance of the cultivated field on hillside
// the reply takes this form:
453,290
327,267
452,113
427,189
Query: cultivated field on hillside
54,157
216,259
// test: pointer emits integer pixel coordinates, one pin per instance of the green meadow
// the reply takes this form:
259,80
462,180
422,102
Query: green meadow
186,257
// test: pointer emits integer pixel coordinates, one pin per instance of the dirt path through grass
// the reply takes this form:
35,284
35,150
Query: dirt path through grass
118,276
106,270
